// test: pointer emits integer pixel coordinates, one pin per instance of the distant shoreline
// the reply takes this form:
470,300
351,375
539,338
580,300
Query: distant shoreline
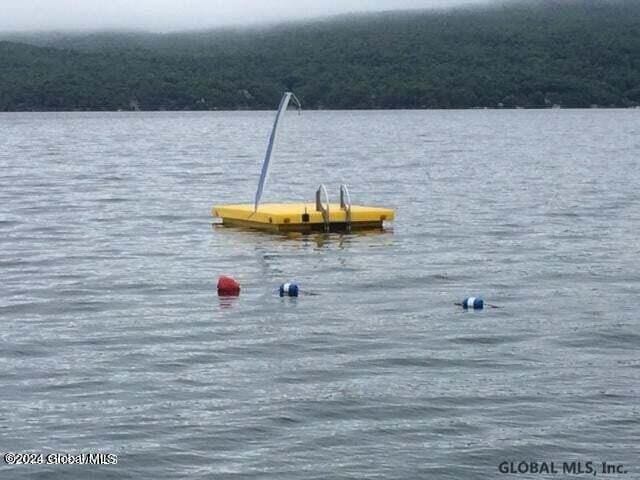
321,110
579,54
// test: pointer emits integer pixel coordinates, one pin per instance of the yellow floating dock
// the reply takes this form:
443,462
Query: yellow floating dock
303,217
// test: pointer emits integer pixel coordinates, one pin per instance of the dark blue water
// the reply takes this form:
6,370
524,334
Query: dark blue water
113,338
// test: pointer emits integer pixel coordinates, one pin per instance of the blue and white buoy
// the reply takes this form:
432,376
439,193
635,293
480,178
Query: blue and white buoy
289,290
475,303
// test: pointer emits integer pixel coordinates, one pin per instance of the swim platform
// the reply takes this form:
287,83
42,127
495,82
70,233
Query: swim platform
300,217
303,217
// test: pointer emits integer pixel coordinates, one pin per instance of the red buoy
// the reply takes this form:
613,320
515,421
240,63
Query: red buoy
228,287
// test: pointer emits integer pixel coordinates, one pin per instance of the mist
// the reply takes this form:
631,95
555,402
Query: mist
172,15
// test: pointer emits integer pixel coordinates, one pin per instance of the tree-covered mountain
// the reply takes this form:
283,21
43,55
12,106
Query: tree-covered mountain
570,53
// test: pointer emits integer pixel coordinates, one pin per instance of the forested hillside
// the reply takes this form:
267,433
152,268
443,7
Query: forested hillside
569,53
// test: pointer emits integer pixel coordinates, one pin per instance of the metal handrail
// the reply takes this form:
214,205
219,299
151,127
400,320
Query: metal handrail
322,208
345,204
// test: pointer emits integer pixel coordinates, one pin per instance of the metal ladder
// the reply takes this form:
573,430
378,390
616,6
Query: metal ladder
345,204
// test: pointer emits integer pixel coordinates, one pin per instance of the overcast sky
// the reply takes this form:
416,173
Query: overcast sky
166,15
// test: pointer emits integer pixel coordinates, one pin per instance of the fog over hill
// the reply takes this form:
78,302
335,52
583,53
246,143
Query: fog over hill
531,54
173,15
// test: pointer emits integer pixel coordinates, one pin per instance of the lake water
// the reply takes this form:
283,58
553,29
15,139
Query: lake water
113,339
